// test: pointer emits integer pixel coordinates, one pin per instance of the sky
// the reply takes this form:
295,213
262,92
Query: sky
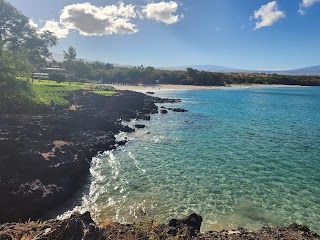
243,34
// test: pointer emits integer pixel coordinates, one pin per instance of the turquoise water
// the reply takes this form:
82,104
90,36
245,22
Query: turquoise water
240,157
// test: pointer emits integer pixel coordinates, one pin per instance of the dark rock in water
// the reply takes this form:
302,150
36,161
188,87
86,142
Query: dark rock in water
150,92
192,223
163,111
121,143
146,118
140,126
165,100
178,109
174,109
126,129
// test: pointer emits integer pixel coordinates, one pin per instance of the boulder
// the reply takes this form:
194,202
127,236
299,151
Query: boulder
163,111
192,224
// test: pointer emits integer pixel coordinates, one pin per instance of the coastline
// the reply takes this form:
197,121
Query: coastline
45,157
81,226
143,111
161,87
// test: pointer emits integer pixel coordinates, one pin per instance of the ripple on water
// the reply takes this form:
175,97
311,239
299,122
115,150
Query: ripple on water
245,158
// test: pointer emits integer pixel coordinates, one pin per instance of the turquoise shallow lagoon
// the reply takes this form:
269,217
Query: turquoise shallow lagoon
240,157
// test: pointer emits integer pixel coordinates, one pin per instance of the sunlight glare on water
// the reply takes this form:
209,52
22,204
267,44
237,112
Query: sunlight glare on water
239,157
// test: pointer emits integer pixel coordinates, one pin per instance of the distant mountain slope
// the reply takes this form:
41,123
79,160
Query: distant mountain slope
313,70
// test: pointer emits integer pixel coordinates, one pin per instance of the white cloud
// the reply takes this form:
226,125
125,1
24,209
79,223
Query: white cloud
57,28
162,12
90,20
33,24
309,3
306,4
268,15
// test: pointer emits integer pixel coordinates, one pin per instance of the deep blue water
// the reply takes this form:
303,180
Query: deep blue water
240,157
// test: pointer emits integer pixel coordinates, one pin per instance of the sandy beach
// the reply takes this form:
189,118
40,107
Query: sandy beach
160,87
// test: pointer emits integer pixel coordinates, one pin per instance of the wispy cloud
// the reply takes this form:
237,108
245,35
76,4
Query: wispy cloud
309,3
268,15
305,4
91,20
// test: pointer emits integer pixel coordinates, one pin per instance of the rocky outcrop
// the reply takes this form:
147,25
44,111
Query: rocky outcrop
166,100
178,109
45,158
190,225
81,226
77,226
175,109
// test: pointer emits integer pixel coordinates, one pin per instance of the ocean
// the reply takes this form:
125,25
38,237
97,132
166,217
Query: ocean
240,157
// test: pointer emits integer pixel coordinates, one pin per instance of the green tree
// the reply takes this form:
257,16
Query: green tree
39,45
70,55
192,73
16,35
14,26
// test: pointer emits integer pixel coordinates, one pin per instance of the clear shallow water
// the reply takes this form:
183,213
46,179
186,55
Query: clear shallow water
239,157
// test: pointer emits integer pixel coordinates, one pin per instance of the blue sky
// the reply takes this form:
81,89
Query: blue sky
245,34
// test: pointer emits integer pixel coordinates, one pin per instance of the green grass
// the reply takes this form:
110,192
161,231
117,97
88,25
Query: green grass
47,90
20,95
54,83
105,92
46,93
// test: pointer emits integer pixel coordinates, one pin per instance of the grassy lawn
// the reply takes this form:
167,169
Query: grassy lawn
105,92
56,92
47,90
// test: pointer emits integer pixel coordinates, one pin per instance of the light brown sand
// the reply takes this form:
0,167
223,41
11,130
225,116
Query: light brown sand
158,87
57,144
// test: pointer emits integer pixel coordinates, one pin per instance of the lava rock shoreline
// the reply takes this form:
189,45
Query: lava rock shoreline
45,157
82,227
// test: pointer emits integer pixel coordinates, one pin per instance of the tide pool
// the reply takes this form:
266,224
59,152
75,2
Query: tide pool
240,157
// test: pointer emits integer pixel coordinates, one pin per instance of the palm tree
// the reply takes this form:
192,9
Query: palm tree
71,54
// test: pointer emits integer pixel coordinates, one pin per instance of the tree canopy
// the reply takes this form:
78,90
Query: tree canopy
71,54
16,35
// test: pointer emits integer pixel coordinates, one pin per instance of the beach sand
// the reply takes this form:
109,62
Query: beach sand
158,87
